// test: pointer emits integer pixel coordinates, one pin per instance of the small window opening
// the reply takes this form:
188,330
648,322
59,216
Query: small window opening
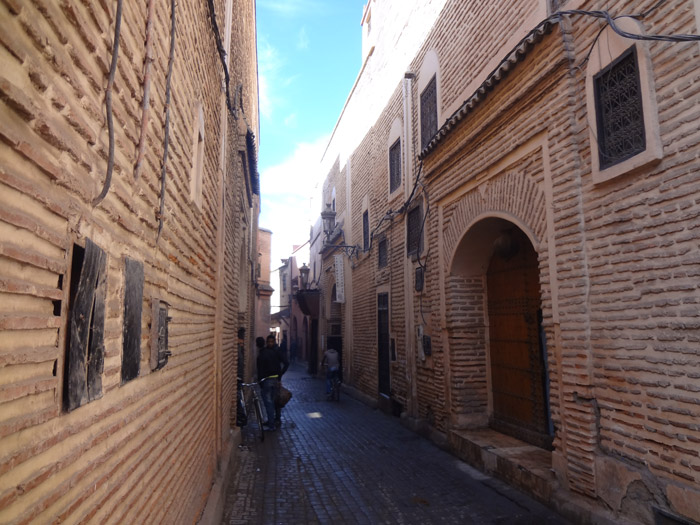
413,234
365,230
428,112
619,113
395,166
159,335
383,253
133,305
84,361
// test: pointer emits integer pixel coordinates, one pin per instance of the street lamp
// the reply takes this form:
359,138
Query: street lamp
304,275
328,218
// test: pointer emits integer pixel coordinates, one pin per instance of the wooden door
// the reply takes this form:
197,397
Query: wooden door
516,357
383,346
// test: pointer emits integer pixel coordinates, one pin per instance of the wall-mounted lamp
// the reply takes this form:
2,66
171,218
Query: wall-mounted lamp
304,276
328,218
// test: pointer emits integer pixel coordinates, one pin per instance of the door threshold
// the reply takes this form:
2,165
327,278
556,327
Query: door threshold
520,464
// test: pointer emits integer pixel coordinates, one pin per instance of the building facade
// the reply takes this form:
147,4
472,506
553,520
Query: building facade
263,289
521,204
129,201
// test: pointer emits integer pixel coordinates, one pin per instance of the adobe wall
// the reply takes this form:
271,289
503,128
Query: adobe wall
617,269
619,302
145,450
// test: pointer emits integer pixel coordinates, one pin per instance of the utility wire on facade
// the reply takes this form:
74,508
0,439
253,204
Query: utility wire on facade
108,104
166,138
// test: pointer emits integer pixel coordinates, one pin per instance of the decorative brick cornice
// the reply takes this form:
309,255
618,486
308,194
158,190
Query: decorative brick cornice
517,54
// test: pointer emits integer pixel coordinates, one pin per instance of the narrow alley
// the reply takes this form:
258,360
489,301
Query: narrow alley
347,463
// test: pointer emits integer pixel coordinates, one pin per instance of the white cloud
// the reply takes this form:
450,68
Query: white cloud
303,39
269,67
289,199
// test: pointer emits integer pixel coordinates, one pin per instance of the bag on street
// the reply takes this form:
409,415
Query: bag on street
285,395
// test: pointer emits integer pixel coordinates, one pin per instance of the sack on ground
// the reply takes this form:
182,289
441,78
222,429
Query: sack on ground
285,395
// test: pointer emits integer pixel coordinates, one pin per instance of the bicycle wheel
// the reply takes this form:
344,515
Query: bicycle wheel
241,413
258,417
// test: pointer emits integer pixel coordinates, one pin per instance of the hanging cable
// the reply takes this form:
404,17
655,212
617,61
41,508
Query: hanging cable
145,104
222,56
166,137
108,104
605,15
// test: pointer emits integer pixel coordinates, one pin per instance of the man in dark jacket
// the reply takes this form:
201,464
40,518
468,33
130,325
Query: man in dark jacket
272,364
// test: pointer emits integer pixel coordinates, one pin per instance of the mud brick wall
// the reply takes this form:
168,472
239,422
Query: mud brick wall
618,260
146,449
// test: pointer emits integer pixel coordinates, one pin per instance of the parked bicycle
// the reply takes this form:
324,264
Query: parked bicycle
250,405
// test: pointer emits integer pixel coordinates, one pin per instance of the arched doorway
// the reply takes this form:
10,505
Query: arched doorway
516,348
498,349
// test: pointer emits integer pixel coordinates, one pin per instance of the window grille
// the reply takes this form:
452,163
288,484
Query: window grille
395,166
428,112
620,118
383,253
365,230
413,236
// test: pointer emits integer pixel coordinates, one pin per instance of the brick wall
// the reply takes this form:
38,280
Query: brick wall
145,450
617,260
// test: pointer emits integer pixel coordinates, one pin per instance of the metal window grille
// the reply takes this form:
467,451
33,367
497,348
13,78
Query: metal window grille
365,230
383,253
428,112
619,113
395,166
413,233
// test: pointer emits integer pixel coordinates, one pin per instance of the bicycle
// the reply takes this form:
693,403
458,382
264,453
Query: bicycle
248,396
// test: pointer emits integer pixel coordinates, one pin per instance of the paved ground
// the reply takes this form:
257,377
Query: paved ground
347,463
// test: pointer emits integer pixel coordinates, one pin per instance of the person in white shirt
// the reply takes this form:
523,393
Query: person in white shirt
331,359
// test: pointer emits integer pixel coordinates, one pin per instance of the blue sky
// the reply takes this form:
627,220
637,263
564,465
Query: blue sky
309,54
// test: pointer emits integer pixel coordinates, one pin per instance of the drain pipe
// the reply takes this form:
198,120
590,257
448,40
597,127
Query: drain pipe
411,372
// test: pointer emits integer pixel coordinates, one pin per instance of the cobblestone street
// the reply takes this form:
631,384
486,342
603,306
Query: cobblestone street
347,463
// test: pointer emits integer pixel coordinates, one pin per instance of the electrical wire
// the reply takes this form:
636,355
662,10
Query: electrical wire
166,138
222,55
390,214
108,104
605,15
145,104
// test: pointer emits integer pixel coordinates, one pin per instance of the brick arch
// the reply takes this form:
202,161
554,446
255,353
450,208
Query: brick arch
513,196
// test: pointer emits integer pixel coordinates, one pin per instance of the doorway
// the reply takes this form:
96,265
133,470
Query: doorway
383,345
516,349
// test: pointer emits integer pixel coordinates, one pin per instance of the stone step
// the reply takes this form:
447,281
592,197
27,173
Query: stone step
520,464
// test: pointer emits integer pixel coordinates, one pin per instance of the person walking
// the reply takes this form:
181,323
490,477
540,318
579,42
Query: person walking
331,359
271,366
284,361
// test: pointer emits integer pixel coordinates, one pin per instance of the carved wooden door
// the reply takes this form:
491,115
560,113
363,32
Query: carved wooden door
516,357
